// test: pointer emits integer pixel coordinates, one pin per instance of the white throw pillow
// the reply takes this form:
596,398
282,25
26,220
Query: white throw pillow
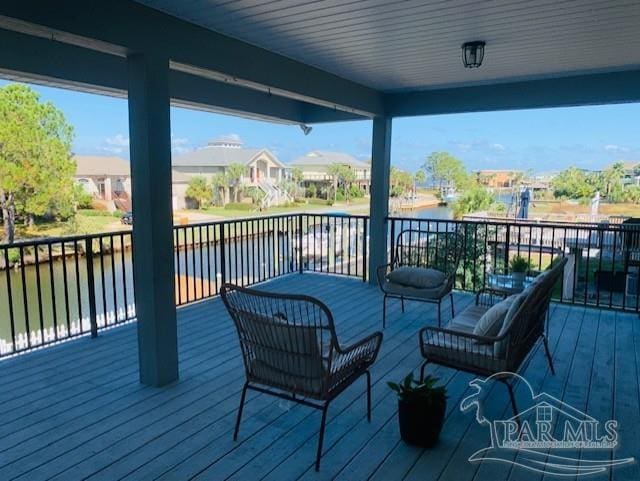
500,347
491,321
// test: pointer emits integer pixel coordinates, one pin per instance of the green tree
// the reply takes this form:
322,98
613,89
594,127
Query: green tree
296,175
446,170
36,167
234,175
632,194
400,182
419,178
574,183
83,199
220,184
341,175
474,199
612,179
200,191
334,172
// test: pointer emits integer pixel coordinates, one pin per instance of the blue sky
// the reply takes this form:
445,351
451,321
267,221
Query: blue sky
540,140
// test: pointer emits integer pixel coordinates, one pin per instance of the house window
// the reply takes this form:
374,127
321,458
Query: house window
545,414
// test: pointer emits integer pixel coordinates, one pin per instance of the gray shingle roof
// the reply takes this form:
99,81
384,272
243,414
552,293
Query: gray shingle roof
217,156
319,157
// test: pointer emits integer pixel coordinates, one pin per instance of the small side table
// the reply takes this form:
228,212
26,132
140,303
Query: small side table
502,284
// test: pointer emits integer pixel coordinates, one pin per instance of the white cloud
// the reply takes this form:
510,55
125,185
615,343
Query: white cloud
179,145
118,144
112,150
616,148
497,146
118,140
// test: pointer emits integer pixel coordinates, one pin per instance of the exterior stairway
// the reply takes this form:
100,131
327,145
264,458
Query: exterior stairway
122,201
274,195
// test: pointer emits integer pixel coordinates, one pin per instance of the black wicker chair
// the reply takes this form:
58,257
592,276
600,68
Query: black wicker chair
439,250
290,350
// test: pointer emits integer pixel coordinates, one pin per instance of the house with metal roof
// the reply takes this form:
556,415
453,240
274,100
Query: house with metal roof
315,167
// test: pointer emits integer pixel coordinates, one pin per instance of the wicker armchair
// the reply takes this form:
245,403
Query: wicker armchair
290,350
456,346
437,250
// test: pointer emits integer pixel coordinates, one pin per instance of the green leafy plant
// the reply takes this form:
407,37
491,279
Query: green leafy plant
411,390
199,191
519,264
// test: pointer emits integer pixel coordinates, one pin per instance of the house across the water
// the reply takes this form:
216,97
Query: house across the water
108,179
315,168
263,169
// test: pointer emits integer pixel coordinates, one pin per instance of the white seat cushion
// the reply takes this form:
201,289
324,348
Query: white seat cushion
466,320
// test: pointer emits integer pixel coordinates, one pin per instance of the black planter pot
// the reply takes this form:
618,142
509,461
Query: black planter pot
420,424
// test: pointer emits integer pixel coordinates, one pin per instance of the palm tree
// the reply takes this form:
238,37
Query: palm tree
334,172
200,191
613,176
343,175
297,177
234,174
419,177
348,176
219,184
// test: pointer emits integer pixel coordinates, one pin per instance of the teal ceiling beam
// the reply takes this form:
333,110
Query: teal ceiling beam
121,27
587,89
34,59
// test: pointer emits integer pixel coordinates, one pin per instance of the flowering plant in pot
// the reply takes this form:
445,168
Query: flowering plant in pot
519,266
421,409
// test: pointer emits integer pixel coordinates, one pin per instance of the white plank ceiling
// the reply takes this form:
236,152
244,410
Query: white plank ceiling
415,44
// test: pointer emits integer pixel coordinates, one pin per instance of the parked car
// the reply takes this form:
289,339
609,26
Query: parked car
127,218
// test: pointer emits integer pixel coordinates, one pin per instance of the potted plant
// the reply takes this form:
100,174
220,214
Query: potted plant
518,266
421,409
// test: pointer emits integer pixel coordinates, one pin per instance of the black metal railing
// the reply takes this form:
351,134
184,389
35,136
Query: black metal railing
58,288
604,259
55,289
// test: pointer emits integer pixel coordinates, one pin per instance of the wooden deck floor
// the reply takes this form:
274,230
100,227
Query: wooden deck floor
76,411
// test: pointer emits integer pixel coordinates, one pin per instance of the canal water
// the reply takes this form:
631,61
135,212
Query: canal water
40,296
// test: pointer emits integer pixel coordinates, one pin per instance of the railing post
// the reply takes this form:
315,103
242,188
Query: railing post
91,286
365,246
507,245
223,256
392,241
300,253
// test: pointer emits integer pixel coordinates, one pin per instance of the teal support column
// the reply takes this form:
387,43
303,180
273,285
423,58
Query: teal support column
379,203
150,147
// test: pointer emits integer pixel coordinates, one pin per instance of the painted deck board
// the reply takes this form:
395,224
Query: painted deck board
77,411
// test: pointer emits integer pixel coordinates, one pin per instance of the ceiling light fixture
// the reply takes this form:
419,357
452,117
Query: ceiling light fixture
472,54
